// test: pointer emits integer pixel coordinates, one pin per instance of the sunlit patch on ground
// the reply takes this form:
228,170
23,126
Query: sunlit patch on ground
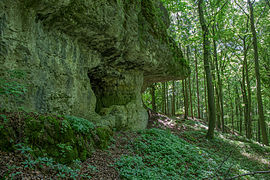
256,157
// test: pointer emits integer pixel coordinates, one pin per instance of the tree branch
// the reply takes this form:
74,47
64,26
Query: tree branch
241,8
250,173
260,16
221,7
267,2
215,14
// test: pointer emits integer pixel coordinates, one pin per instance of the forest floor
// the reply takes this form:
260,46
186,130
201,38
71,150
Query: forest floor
170,148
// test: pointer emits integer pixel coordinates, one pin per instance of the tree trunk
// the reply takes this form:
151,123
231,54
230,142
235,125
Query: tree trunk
163,98
231,103
205,97
241,117
218,123
177,96
210,88
258,78
153,102
219,87
190,94
218,107
245,80
248,96
184,84
173,98
167,98
248,100
197,84
237,108
259,131
190,98
245,101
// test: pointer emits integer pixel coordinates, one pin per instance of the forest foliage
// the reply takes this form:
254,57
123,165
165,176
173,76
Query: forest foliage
232,62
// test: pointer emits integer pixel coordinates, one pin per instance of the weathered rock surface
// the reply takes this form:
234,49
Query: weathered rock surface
89,58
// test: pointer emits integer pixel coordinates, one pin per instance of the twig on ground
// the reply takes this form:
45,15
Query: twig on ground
228,171
218,168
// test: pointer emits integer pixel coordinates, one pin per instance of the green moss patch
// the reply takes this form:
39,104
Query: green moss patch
104,134
64,138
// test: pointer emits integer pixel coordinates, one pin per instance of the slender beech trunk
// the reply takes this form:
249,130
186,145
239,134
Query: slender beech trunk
237,108
231,104
164,98
210,88
246,80
205,97
246,95
197,84
218,109
167,98
258,128
187,98
176,101
245,101
258,78
185,94
241,117
259,131
190,94
219,89
153,102
218,123
177,96
246,86
173,98
190,98
220,85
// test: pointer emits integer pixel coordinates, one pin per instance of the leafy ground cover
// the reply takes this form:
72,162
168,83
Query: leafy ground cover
171,148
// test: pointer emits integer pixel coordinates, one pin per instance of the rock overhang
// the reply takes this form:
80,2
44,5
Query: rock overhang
128,34
121,46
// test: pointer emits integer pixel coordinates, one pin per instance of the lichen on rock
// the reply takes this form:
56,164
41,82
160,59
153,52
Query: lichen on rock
89,58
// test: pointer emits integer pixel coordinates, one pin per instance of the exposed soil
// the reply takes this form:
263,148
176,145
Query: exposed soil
104,160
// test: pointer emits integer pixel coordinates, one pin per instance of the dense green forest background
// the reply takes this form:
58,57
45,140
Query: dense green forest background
235,41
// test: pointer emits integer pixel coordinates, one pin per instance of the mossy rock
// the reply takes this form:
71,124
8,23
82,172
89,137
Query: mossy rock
64,139
104,134
55,136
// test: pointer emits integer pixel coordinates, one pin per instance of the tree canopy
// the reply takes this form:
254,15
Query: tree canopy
227,45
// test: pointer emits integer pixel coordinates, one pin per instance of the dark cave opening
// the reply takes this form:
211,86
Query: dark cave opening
97,87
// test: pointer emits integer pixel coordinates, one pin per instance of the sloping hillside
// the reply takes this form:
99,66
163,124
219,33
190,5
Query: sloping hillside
171,148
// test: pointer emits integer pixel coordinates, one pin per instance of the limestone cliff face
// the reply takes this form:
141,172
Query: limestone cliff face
89,58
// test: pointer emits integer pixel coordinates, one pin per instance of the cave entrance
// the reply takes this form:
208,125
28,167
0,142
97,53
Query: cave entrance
113,90
97,87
